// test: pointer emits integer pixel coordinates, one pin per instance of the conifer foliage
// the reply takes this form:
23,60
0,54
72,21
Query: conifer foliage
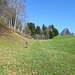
41,33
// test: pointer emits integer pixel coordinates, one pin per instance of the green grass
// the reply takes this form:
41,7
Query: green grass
42,57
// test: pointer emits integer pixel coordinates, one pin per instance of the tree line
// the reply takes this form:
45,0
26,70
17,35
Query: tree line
40,33
13,12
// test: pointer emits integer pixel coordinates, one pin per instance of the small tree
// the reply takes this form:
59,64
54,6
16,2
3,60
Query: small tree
37,30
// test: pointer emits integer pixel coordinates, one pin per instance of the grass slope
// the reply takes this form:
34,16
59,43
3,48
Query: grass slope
42,57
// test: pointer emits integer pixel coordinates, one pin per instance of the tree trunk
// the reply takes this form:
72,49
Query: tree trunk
16,17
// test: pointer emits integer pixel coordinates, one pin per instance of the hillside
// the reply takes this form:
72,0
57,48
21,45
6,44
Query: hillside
42,57
4,29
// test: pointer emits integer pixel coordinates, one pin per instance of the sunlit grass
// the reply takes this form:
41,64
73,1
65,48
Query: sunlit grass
42,57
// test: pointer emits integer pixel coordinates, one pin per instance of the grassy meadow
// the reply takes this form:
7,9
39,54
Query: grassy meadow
42,57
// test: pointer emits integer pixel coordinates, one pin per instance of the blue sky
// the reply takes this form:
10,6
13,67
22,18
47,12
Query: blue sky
60,13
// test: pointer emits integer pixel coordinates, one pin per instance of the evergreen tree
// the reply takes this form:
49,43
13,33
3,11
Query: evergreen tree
51,34
31,27
37,30
44,28
55,30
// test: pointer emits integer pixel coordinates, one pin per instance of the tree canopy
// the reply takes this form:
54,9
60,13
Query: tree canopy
41,33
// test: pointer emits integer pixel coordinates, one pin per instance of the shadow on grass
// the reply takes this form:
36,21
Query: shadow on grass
25,47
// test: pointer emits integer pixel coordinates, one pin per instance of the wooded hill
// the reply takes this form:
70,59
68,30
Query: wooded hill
11,10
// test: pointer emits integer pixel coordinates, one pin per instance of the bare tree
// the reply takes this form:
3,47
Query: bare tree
19,26
3,7
19,10
13,10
